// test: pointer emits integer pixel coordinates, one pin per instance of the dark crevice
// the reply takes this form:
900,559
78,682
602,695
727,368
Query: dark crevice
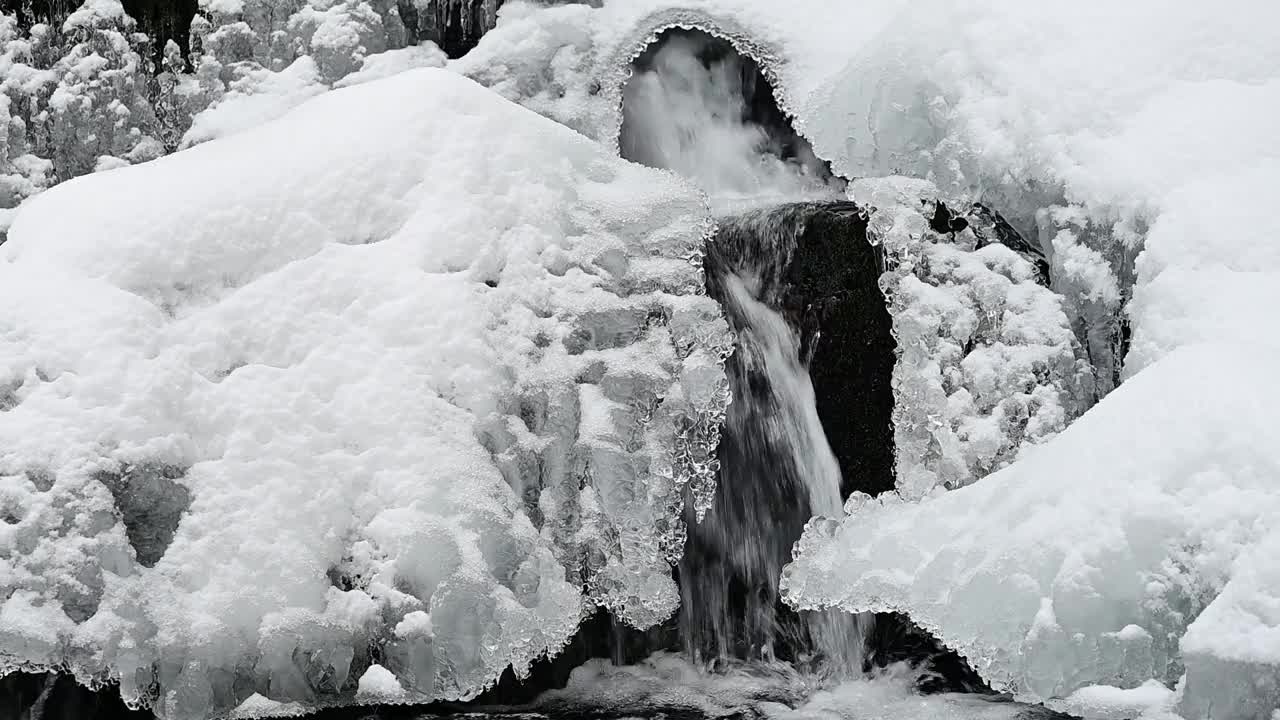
50,696
151,502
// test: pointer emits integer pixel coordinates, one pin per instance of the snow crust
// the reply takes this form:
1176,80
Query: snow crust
1086,561
286,402
986,358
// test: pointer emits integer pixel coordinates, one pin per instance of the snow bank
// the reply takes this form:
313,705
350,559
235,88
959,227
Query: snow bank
1086,561
391,382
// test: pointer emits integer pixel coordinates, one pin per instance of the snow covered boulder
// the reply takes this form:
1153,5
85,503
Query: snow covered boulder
381,394
1134,543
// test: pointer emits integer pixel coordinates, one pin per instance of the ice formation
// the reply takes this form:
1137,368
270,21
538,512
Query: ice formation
1098,161
696,106
388,389
1133,141
1088,560
1102,162
987,360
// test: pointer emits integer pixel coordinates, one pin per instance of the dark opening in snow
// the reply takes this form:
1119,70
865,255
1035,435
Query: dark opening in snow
150,501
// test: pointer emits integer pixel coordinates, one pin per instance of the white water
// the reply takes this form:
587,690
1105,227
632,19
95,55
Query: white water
794,419
786,418
691,115
698,108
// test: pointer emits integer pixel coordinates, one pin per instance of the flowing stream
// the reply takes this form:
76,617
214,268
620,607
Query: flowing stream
697,107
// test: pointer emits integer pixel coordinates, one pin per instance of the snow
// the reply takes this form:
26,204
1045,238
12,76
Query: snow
1138,514
379,684
258,97
1104,702
315,387
393,62
206,335
1135,144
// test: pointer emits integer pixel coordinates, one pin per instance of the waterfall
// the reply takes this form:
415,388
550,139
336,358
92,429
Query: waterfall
777,469
696,106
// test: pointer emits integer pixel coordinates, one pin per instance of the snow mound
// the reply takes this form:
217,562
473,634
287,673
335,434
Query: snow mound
409,376
1087,561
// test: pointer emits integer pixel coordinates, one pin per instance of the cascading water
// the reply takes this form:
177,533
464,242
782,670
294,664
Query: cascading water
777,472
697,107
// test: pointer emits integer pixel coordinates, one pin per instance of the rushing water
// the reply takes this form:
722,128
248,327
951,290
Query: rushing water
777,472
697,107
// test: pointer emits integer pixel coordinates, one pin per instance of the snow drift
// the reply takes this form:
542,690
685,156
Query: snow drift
369,402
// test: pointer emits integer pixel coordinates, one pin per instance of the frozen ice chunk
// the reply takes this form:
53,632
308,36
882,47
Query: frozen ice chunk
398,378
379,684
1232,650
1104,702
1088,560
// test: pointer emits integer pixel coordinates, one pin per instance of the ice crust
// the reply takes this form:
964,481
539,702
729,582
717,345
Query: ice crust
986,358
412,375
1135,144
1086,561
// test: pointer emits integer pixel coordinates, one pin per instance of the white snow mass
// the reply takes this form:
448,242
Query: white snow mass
408,368
404,366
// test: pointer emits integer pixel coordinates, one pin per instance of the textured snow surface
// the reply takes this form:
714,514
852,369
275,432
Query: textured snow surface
986,357
1086,561
290,403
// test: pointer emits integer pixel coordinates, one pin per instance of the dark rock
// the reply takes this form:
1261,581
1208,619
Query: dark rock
50,696
151,502
990,227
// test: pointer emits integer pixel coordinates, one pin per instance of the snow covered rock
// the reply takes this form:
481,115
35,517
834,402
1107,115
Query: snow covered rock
1088,560
986,357
409,374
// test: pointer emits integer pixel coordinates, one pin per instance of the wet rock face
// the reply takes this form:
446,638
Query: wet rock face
455,25
151,501
827,285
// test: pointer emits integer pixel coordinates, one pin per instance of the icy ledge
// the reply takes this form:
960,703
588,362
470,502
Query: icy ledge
379,395
1145,528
